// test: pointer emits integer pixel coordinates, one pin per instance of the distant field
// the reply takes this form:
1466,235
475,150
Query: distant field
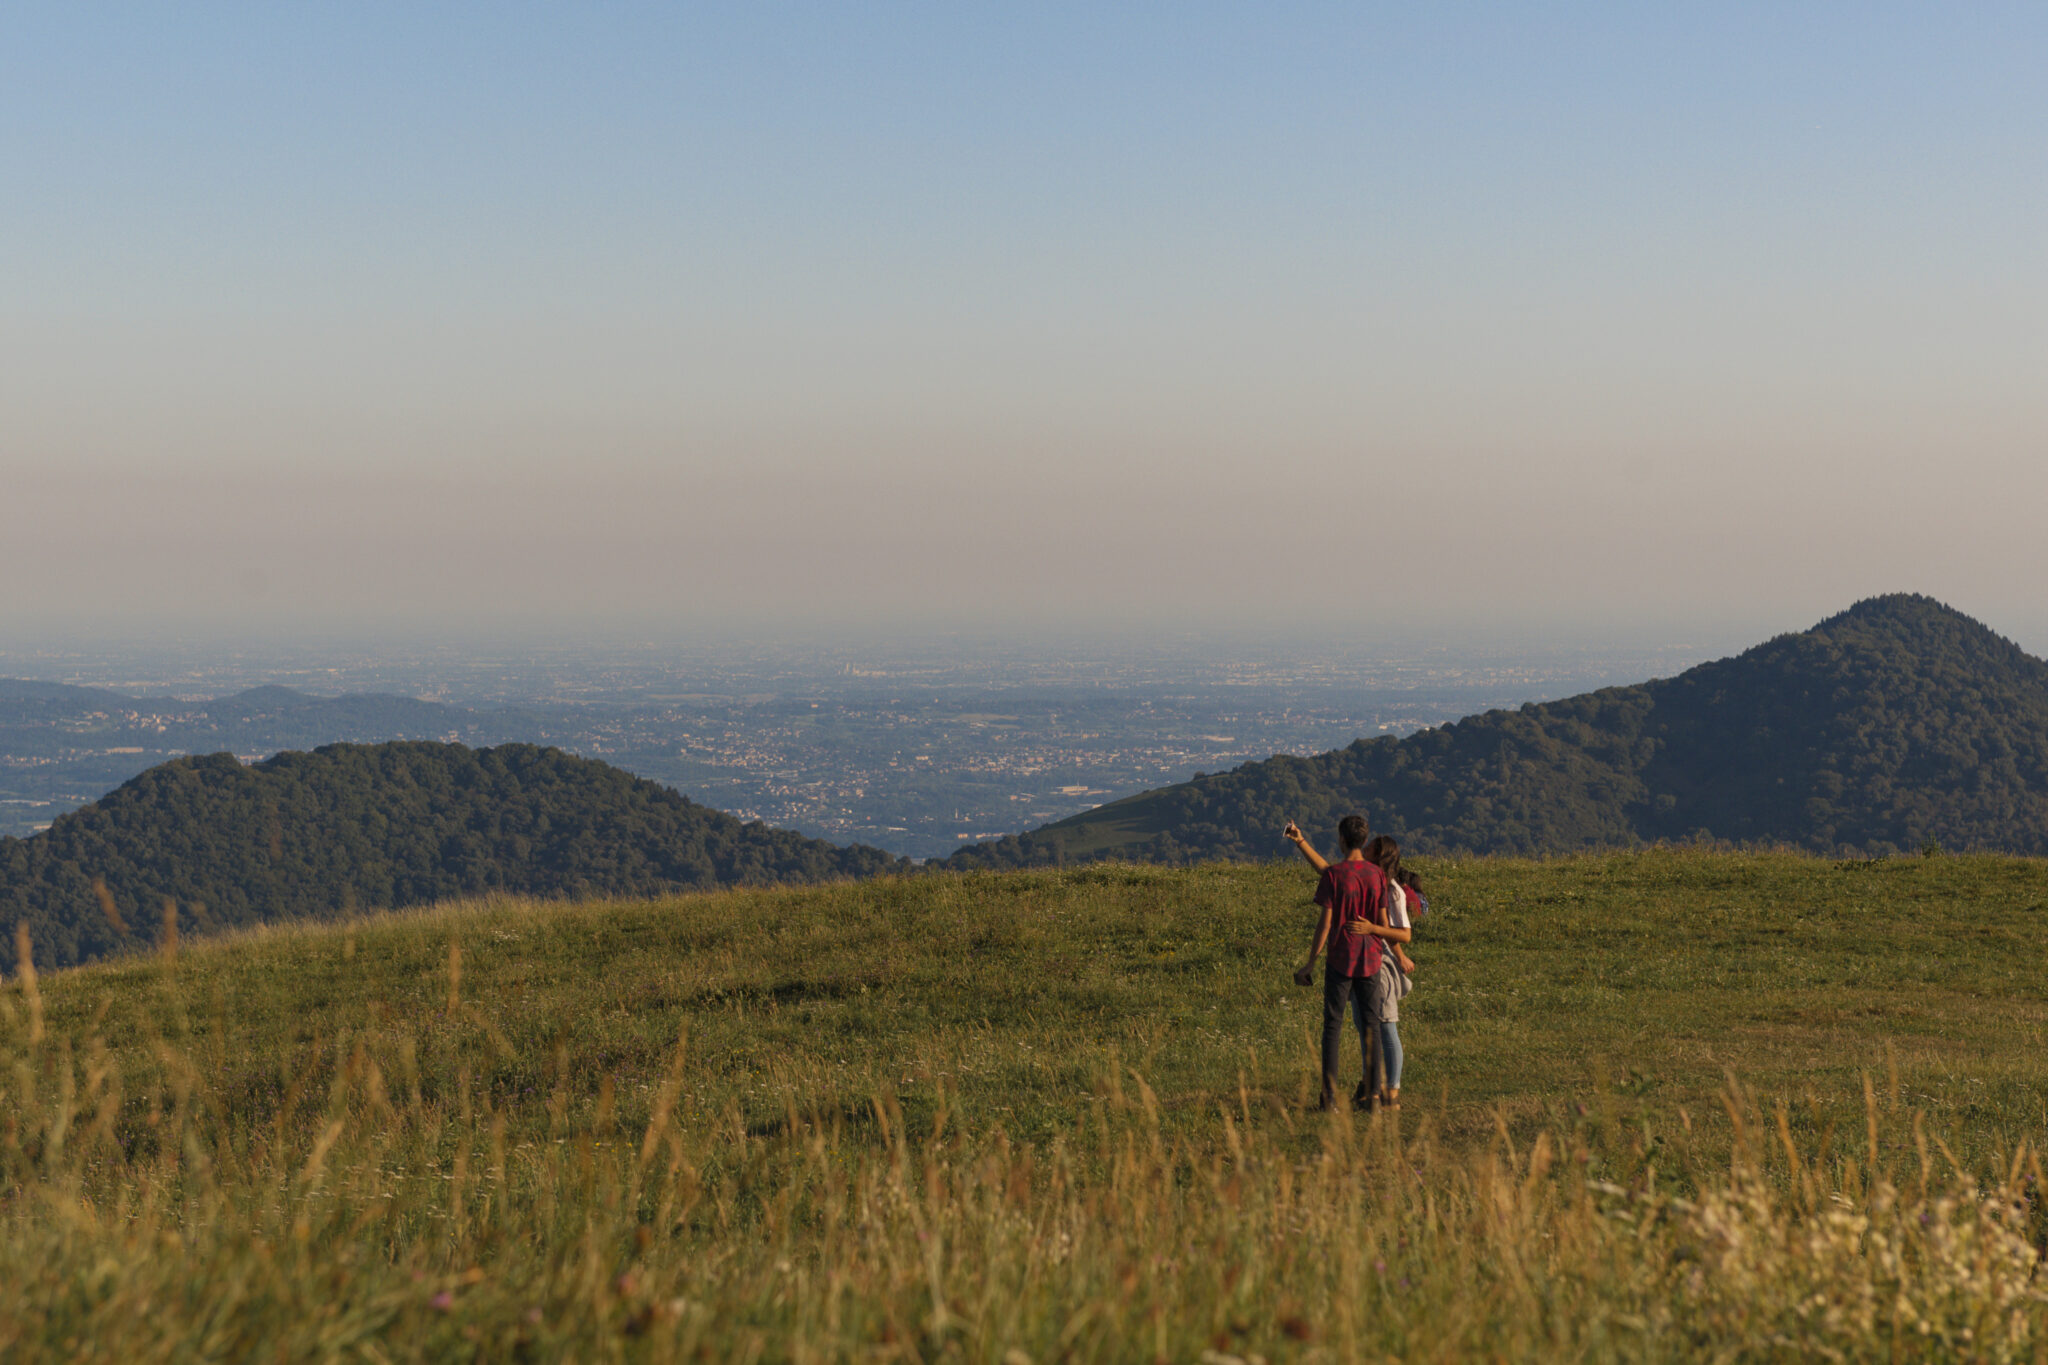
1054,1116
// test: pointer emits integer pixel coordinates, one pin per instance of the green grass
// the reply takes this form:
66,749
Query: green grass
737,1123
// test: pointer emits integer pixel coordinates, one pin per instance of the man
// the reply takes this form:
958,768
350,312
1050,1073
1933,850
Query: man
1352,893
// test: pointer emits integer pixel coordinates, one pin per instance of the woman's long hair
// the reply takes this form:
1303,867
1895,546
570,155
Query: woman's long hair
1385,852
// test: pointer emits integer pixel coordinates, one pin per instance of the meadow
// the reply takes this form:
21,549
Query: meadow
1671,1104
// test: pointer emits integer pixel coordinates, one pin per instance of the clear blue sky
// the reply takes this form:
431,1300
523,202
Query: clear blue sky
568,315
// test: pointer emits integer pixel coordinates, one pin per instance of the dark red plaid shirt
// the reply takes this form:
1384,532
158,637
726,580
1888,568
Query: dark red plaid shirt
1353,890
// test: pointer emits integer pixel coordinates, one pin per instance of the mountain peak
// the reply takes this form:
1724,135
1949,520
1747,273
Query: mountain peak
1896,723
1915,625
1913,607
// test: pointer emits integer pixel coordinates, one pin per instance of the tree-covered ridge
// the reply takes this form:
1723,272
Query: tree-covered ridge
353,827
1896,722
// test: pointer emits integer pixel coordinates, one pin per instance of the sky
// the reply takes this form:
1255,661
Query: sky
1634,320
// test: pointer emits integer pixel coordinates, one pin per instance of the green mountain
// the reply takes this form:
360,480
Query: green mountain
293,719
353,827
49,718
21,699
1894,723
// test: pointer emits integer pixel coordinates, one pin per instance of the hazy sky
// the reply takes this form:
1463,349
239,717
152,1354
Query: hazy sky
439,316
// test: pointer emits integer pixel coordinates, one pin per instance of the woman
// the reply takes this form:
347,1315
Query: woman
1397,967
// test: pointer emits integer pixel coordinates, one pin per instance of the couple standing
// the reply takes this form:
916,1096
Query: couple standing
1364,922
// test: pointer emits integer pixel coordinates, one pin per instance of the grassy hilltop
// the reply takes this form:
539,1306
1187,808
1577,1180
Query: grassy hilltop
1052,1115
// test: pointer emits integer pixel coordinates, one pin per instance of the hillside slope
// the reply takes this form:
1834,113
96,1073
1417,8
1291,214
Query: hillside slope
352,827
795,1125
995,992
1896,722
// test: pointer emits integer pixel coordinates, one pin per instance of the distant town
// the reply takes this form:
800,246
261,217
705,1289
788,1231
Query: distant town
917,752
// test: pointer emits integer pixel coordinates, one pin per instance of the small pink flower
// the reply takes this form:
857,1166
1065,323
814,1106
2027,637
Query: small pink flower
443,1301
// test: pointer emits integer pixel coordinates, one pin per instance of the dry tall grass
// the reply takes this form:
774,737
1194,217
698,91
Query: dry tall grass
153,1214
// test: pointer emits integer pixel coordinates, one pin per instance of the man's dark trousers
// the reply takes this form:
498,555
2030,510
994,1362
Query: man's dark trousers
1362,995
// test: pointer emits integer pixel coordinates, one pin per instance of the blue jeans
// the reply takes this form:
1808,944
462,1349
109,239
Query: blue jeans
1390,1053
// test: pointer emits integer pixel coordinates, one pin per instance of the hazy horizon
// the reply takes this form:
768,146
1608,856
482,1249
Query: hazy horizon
1508,666
1458,324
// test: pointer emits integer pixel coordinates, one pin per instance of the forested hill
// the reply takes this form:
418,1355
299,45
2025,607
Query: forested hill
353,827
1897,722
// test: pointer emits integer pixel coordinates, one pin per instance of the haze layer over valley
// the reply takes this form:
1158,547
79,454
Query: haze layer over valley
915,748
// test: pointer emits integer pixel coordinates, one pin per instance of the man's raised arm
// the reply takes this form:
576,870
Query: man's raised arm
1293,835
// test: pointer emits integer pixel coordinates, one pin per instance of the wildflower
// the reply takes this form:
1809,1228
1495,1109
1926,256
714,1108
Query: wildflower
442,1301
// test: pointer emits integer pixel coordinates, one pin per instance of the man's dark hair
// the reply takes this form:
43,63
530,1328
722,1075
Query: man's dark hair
1352,832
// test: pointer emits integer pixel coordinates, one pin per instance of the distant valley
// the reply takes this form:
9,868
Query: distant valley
915,755
1896,726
